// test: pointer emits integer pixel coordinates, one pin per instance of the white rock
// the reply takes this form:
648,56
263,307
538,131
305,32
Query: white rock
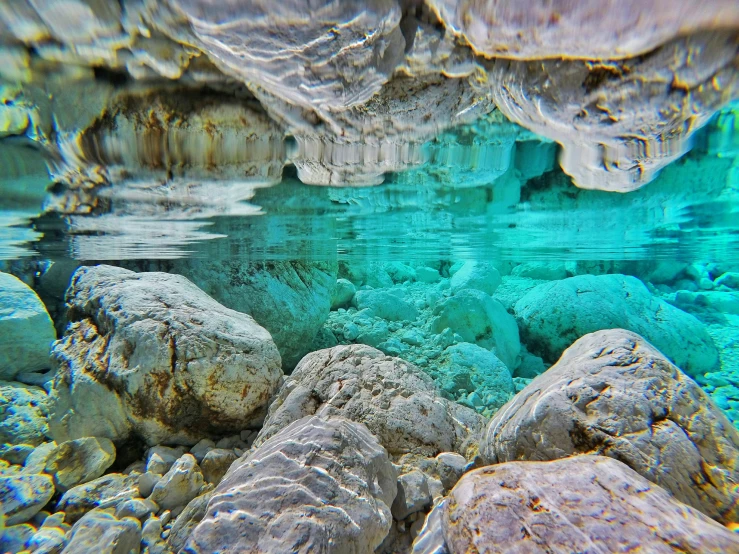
413,495
79,461
101,532
23,496
160,458
179,485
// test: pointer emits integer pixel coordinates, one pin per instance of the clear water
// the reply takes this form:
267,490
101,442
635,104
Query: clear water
487,192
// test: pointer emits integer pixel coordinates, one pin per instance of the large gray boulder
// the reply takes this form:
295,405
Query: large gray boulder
581,504
151,355
614,394
397,402
320,485
554,315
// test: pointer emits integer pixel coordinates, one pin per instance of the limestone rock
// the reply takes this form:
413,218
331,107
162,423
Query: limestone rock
347,485
150,354
290,299
476,275
553,315
104,492
386,305
450,466
413,495
190,517
26,330
343,293
151,537
51,537
23,496
614,394
100,531
79,461
15,537
36,460
559,506
481,320
160,458
23,413
179,485
138,508
215,464
398,402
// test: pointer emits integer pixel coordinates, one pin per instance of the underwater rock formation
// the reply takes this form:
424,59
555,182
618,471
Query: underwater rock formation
322,484
612,393
397,402
559,507
554,315
151,355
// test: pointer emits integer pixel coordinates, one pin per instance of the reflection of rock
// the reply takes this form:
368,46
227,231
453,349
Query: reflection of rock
618,122
553,315
151,354
319,485
560,506
398,402
613,394
594,30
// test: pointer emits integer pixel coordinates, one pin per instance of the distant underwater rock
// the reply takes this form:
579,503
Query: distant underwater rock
26,330
562,506
397,402
613,394
321,484
476,275
151,355
386,305
554,315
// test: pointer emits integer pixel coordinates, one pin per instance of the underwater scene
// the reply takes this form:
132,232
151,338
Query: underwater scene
392,276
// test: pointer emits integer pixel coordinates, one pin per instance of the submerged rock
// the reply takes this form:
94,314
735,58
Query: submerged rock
398,402
26,330
151,355
475,275
559,507
614,394
320,484
553,315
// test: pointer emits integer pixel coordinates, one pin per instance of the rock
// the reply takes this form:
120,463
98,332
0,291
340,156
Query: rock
512,289
147,482
104,492
160,458
413,495
50,538
79,461
709,303
400,272
481,320
386,305
553,315
26,330
36,460
290,299
450,466
477,276
23,496
15,537
729,279
141,358
541,271
179,485
427,274
17,454
215,464
23,413
530,366
138,508
202,448
614,394
347,485
151,537
559,506
343,293
101,532
193,514
471,368
398,402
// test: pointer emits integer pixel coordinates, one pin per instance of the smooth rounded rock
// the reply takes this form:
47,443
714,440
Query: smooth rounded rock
386,305
476,275
79,461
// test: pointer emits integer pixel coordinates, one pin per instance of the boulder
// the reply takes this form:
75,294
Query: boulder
23,496
179,485
193,514
559,507
291,299
386,305
104,492
398,402
160,458
481,320
26,330
79,461
476,275
413,495
320,485
23,413
614,394
343,293
554,315
101,532
215,464
151,355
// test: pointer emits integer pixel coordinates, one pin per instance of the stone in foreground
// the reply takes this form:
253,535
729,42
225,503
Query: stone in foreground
614,394
320,485
588,504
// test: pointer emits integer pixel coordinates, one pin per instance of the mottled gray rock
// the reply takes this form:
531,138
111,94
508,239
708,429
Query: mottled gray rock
450,466
151,537
139,508
614,394
160,458
559,506
26,330
36,460
141,357
100,531
51,537
215,464
398,402
179,485
23,413
202,448
347,485
79,461
104,492
386,305
554,315
343,293
193,514
147,481
23,496
413,495
14,537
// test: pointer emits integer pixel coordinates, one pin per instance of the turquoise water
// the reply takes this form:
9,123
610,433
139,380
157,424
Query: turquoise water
183,238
